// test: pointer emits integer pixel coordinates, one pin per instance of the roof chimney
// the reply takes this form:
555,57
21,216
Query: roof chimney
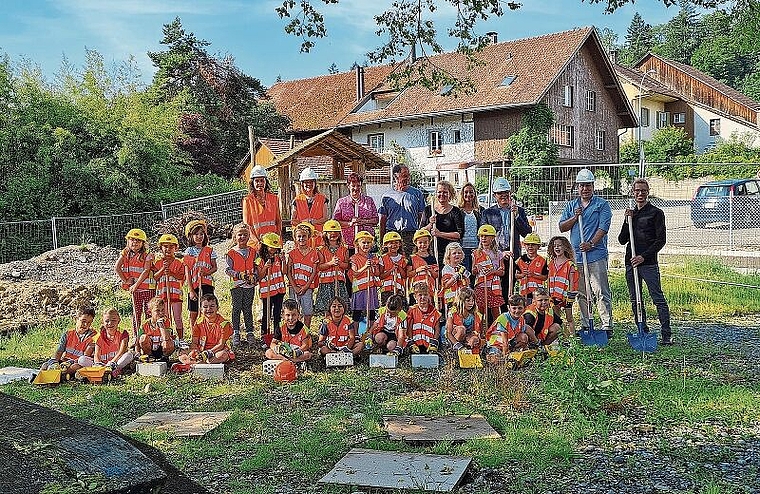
493,37
413,53
359,82
614,56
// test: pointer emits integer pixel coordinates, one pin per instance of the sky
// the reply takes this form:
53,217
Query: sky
46,31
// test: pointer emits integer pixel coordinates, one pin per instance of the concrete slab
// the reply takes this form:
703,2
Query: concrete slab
383,361
186,424
426,361
455,428
394,470
213,372
339,359
154,369
10,374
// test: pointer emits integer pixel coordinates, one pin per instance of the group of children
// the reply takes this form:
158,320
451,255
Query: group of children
422,306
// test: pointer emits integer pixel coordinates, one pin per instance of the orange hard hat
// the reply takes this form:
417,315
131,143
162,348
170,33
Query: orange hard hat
285,372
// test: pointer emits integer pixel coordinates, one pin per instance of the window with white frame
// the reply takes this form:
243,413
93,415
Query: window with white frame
435,142
567,98
644,117
590,100
600,140
562,135
456,136
679,118
376,142
663,119
714,126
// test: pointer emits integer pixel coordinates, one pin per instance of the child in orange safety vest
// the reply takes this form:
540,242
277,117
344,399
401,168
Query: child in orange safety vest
464,322
200,260
271,283
155,339
301,267
389,331
488,266
112,344
542,319
211,335
242,272
508,331
75,346
393,268
291,341
333,265
423,322
424,266
133,260
563,278
363,271
531,270
338,332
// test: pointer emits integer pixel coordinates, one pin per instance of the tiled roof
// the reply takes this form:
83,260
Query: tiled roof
278,146
327,101
650,84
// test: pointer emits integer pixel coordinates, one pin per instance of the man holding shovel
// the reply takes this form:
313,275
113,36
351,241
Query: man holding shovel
648,238
594,214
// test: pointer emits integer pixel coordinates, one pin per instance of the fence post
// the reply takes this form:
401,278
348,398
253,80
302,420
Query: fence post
551,221
163,210
55,233
731,218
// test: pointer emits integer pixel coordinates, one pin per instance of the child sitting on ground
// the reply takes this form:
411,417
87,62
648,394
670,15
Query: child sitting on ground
508,331
112,344
155,339
463,324
423,322
211,335
542,318
531,269
290,341
338,332
301,270
75,345
388,334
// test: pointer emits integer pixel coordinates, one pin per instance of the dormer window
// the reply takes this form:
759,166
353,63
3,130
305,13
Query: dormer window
376,100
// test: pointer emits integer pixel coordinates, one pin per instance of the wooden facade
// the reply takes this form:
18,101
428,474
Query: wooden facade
492,129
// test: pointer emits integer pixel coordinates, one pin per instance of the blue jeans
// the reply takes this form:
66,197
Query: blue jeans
650,274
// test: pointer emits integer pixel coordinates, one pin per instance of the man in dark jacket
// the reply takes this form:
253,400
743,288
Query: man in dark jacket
648,238
500,216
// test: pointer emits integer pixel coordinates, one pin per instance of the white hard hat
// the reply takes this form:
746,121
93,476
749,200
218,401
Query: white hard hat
584,176
258,171
501,184
307,174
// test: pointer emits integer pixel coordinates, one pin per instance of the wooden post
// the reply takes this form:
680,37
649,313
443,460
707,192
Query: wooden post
250,145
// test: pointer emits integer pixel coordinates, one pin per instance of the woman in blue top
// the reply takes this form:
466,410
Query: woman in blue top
468,203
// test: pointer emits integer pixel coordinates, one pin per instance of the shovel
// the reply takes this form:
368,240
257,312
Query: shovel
589,336
641,340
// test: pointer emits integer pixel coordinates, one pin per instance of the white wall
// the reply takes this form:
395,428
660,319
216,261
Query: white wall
702,137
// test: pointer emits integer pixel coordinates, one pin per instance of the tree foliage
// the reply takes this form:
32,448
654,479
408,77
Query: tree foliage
639,39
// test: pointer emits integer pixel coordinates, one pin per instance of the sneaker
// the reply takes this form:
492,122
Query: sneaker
116,373
415,349
396,352
249,339
668,341
235,340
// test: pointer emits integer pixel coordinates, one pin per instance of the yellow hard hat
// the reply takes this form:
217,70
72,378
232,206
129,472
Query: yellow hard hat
192,225
168,238
137,234
272,240
364,234
420,234
331,226
532,238
307,225
391,237
487,230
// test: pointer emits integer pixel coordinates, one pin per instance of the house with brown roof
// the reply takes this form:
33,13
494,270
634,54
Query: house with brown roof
568,71
675,94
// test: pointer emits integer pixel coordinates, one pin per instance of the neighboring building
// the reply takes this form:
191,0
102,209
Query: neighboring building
674,94
446,134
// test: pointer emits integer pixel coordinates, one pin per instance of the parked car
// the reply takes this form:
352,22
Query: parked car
712,203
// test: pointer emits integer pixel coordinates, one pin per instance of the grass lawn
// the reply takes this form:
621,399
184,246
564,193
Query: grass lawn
283,438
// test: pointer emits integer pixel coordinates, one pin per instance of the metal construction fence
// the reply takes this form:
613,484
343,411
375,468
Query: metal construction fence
720,219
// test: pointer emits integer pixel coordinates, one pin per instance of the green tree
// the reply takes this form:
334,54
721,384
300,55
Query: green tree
220,101
681,35
639,40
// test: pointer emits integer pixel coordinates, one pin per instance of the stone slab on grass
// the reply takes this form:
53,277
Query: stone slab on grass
186,424
455,428
383,361
154,369
10,374
339,359
395,470
213,372
426,361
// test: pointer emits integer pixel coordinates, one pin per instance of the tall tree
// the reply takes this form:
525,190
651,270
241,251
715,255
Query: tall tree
681,35
639,40
220,101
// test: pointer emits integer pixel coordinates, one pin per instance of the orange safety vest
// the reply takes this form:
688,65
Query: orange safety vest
563,282
303,266
175,275
447,274
273,282
458,320
241,265
529,283
195,264
261,218
492,281
76,346
329,275
210,333
507,325
153,332
365,279
109,347
549,319
393,273
423,324
339,333
133,265
306,213
382,319
429,279
297,339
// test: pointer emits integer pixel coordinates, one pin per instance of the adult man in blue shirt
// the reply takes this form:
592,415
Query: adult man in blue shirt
401,209
597,216
500,217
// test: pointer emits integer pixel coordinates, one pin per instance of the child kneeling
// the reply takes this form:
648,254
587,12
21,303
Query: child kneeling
423,322
338,332
508,332
389,331
212,335
155,339
290,341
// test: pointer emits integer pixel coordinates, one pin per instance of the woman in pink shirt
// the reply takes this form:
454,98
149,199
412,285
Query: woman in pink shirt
356,212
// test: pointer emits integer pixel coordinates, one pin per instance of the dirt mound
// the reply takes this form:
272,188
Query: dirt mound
88,265
27,303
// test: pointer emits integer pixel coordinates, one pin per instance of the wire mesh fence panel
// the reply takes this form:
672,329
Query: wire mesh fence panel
103,230
220,208
24,239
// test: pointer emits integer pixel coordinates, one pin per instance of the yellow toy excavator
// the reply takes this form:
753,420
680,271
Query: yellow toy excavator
54,374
